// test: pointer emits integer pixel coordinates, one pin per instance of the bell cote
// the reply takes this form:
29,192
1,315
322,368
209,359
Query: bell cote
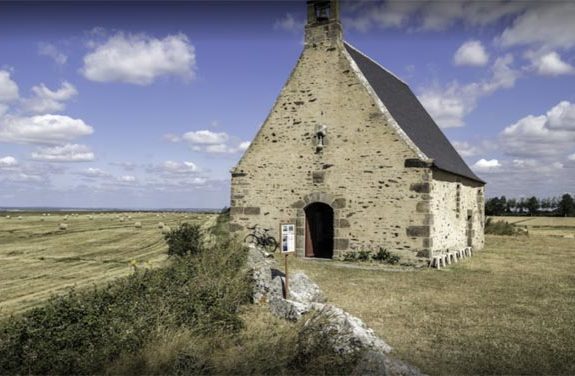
323,25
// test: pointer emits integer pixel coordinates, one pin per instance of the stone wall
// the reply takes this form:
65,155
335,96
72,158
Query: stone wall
366,171
453,200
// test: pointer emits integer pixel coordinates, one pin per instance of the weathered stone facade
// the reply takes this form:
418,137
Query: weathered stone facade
383,190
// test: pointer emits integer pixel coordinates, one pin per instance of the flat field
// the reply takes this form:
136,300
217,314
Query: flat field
547,226
509,309
38,259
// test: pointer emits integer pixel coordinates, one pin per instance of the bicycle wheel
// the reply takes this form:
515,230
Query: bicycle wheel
251,239
271,244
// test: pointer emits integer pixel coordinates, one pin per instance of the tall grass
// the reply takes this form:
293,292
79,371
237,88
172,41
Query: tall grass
82,332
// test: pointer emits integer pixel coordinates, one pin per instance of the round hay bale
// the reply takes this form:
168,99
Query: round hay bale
138,224
8,217
166,229
161,225
63,226
19,217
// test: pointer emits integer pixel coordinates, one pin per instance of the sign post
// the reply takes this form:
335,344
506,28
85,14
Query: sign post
287,247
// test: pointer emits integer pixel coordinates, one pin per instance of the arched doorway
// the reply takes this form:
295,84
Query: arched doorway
319,230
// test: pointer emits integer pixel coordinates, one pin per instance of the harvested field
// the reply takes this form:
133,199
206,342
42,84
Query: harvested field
39,259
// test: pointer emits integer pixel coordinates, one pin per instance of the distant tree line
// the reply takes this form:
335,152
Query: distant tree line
563,206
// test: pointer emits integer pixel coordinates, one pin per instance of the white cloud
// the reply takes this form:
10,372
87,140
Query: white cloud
42,129
484,165
8,161
547,24
46,100
48,49
8,88
289,23
174,168
127,179
571,157
449,105
205,137
65,153
426,14
244,145
471,53
550,64
140,59
546,135
3,109
465,149
93,173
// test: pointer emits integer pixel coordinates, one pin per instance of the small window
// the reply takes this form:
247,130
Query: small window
458,201
322,11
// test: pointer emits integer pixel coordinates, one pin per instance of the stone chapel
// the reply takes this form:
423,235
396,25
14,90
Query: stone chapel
350,157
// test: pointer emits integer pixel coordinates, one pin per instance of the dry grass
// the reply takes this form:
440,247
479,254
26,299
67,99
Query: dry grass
508,310
545,226
38,259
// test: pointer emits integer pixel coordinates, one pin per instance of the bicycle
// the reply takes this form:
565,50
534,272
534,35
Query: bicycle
261,238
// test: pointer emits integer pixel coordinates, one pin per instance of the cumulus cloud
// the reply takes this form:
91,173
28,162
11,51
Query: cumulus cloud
64,153
465,149
449,105
48,49
205,137
427,14
8,88
289,23
8,161
551,64
140,59
484,165
244,145
127,179
471,53
547,24
571,157
174,168
42,129
93,173
46,100
550,134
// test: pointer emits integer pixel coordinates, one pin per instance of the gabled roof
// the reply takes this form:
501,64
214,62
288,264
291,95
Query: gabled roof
413,119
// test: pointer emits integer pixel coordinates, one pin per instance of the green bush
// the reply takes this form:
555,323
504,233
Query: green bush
82,332
383,255
186,239
363,255
502,228
350,256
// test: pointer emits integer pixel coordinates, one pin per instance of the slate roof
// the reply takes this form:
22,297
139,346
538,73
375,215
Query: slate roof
406,109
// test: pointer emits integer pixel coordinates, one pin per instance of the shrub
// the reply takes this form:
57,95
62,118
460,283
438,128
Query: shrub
502,228
82,332
363,255
350,256
186,239
383,255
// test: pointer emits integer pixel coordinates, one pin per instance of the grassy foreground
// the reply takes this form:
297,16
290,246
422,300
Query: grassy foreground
510,309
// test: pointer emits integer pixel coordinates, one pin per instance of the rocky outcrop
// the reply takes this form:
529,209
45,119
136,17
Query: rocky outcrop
348,334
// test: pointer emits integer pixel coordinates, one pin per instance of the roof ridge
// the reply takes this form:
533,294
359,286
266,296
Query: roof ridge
375,62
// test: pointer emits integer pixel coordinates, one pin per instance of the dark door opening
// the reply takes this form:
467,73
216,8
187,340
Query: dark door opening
469,230
319,230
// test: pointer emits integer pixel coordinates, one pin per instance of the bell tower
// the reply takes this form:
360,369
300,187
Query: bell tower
323,25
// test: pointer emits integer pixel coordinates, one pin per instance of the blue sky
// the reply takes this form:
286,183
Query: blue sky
197,79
